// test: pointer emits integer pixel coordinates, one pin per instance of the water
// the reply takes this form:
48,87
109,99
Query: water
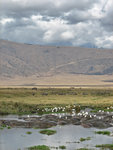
15,117
69,135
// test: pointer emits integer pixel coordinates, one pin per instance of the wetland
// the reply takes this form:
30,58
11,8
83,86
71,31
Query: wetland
56,119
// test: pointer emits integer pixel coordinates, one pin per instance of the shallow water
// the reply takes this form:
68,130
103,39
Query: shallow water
69,135
15,117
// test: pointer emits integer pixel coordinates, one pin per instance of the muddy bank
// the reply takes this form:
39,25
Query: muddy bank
47,121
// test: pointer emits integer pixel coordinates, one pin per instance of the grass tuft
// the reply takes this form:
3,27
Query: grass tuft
105,146
62,147
85,139
28,132
39,147
103,132
48,132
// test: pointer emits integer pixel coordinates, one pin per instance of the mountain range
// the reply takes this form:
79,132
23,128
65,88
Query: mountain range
24,60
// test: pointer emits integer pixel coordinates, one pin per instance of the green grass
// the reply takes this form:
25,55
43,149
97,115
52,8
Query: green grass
48,132
105,146
85,139
103,132
4,126
39,147
28,132
27,101
8,127
1,128
62,147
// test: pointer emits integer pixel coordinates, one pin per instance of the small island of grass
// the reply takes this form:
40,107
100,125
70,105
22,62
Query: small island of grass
105,146
28,132
62,147
39,147
103,132
48,132
85,139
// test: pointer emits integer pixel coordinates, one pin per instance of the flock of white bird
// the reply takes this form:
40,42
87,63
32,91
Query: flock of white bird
61,111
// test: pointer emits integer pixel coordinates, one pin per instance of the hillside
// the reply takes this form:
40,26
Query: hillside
26,60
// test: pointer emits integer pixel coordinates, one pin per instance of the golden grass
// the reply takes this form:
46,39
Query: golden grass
26,96
28,101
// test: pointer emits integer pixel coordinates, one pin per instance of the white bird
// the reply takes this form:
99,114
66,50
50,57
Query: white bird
94,115
90,116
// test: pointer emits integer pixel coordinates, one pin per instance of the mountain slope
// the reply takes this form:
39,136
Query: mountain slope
27,60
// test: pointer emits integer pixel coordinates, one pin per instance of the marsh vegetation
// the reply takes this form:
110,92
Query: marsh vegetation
71,101
85,139
28,101
105,146
103,132
48,132
39,147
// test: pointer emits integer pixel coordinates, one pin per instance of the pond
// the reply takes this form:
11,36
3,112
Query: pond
68,135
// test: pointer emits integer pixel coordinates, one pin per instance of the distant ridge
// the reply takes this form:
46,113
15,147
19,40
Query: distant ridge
27,60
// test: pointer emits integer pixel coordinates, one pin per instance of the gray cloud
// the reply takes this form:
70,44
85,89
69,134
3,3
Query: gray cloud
77,16
107,20
46,7
58,22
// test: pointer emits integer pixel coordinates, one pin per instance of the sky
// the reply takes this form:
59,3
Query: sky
58,22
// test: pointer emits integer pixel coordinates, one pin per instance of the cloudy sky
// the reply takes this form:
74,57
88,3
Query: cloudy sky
58,22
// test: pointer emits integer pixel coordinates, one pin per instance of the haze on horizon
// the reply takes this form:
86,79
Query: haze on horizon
60,22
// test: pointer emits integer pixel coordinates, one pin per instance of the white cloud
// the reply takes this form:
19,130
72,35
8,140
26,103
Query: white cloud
6,20
57,22
67,35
